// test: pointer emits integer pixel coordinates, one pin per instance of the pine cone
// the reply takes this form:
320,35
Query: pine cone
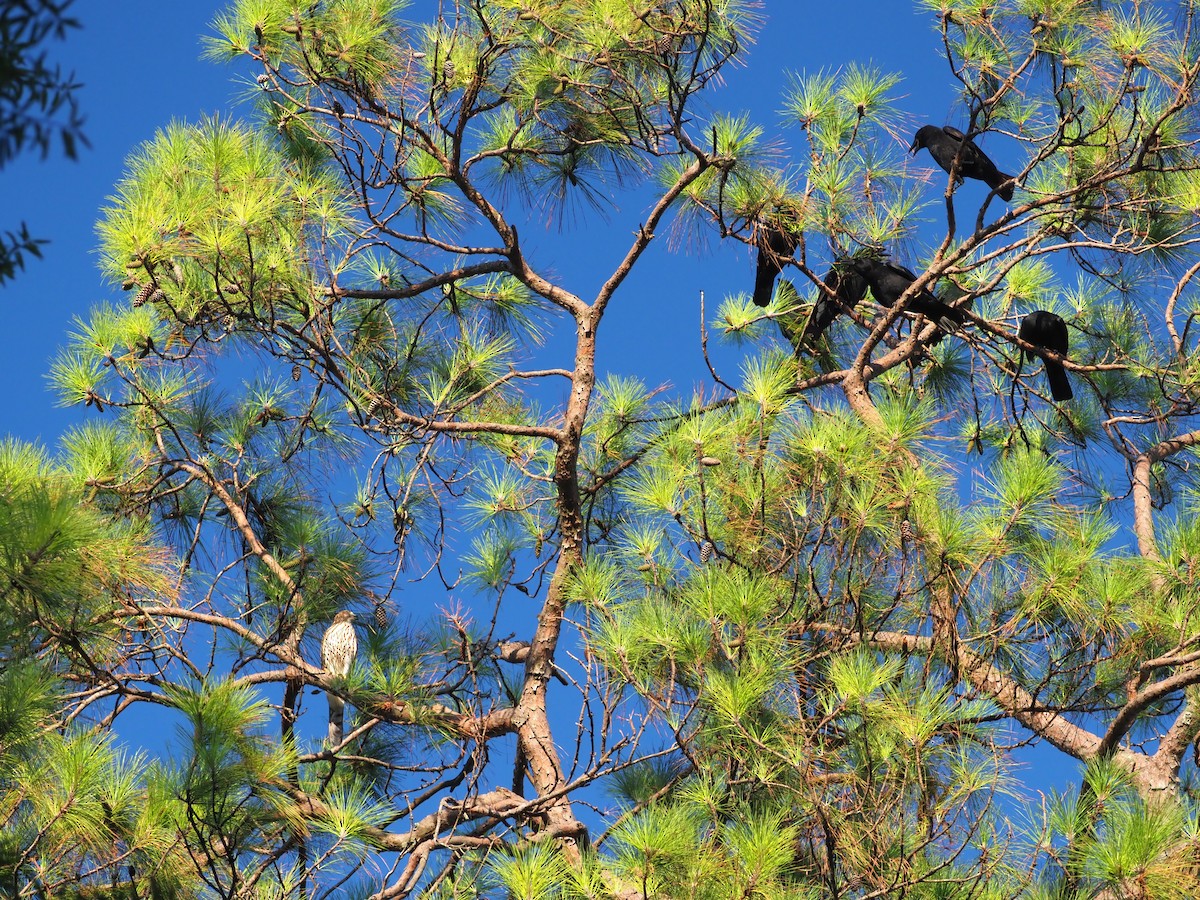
264,81
228,322
706,551
373,407
381,617
143,295
296,372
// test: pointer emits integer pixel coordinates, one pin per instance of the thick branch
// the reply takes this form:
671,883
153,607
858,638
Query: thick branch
1143,510
1142,700
498,804
990,681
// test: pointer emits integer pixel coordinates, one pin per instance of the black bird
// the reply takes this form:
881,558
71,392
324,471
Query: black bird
944,144
1049,332
848,286
888,281
774,246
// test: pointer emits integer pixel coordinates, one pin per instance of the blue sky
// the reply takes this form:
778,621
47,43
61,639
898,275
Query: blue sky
140,65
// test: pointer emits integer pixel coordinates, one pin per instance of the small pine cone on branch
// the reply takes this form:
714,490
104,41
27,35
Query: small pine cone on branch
297,372
143,295
381,617
706,551
227,323
373,407
662,45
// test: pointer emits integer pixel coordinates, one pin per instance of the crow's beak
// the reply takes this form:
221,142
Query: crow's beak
916,145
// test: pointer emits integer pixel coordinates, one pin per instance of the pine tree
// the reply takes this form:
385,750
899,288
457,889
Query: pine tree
797,624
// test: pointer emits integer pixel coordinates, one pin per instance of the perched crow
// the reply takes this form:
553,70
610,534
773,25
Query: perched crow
849,286
774,246
888,281
1048,331
944,144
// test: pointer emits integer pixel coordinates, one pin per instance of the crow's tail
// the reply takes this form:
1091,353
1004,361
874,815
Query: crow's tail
764,284
1003,185
947,317
1060,388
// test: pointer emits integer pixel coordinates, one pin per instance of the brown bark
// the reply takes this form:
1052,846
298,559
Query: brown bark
531,719
1143,510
